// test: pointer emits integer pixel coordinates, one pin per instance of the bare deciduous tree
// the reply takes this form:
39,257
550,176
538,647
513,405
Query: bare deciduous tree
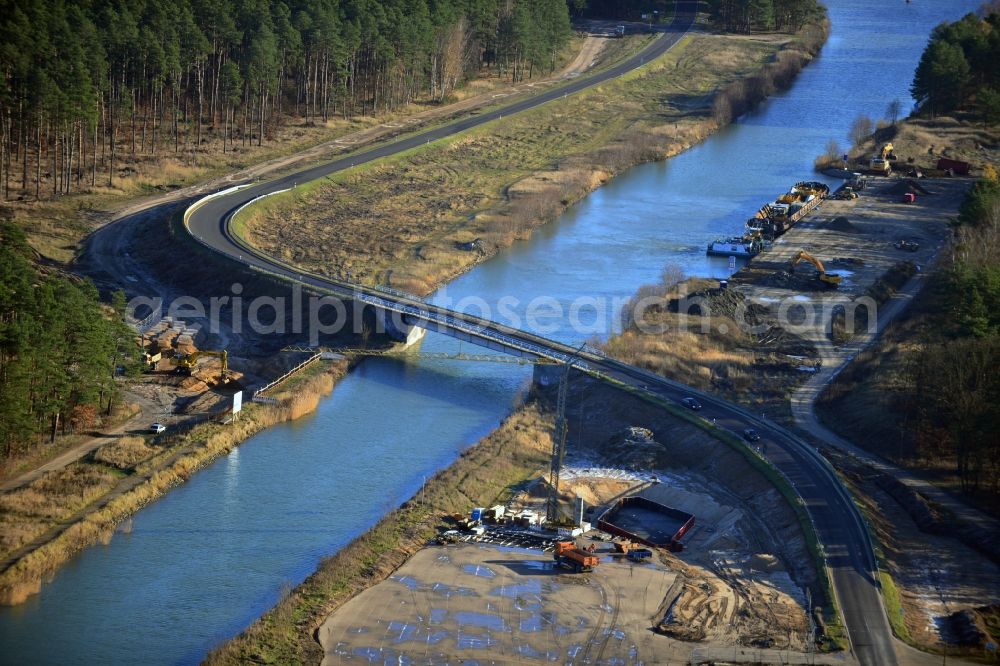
861,129
893,110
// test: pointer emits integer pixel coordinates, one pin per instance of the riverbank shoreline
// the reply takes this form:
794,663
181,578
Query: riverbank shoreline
421,219
200,445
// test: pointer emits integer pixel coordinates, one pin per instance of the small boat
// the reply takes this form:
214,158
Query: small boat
736,246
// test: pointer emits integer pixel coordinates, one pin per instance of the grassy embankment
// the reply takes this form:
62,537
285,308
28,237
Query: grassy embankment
56,226
48,521
484,474
695,338
401,220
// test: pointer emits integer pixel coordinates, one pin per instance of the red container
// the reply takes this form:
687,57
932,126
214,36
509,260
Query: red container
956,167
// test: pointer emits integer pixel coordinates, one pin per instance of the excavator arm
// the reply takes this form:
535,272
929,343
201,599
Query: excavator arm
189,362
829,279
802,255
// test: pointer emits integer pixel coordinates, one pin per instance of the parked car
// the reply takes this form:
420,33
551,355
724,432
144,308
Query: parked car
157,428
691,403
751,435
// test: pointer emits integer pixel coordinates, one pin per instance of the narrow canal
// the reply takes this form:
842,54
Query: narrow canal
203,562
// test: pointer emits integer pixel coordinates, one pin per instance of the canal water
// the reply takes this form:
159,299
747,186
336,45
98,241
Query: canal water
200,564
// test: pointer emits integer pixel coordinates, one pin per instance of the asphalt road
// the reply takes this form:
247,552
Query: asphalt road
208,222
844,538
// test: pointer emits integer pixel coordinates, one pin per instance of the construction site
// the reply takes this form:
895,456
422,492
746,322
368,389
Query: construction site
655,542
660,545
182,379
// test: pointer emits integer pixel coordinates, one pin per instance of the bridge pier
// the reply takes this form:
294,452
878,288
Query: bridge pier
547,375
397,329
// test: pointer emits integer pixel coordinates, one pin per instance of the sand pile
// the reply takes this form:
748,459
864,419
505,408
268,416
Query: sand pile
843,224
908,187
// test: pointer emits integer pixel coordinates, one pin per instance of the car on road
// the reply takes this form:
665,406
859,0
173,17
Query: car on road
751,435
157,428
691,403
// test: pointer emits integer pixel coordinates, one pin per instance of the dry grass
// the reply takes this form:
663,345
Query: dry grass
28,512
125,453
487,471
17,530
691,336
57,495
83,483
401,220
922,141
298,397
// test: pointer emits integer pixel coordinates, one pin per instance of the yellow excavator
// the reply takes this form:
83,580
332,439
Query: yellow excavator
829,279
187,364
880,164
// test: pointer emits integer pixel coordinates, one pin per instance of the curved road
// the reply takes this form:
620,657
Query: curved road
838,523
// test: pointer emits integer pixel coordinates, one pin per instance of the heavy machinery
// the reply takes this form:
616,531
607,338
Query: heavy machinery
569,556
880,164
829,279
187,364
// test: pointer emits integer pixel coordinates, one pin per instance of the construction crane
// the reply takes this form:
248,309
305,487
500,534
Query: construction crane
829,279
559,439
187,364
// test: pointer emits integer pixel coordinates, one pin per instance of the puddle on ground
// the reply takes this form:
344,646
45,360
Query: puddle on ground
484,620
438,615
536,565
436,637
409,632
537,622
409,581
479,570
380,656
573,650
529,604
400,632
526,589
466,641
447,591
511,549
527,651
